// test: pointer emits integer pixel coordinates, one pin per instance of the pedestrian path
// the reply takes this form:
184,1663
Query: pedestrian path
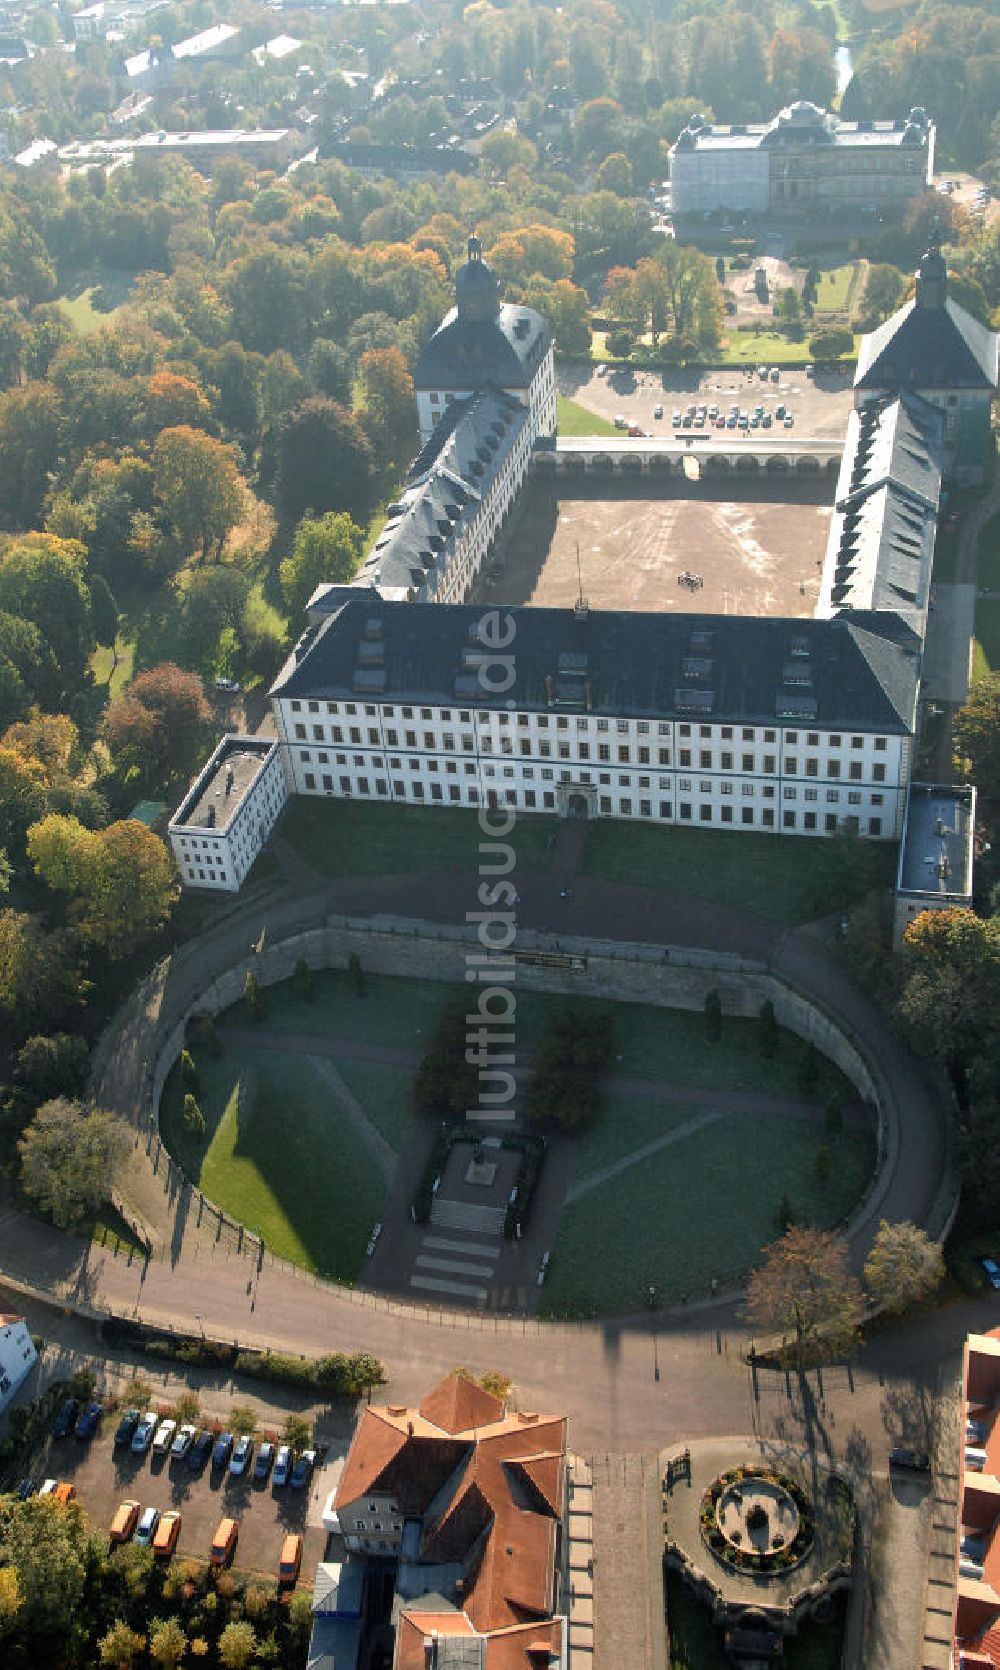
461,1269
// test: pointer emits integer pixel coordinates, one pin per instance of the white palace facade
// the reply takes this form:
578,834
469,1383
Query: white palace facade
401,691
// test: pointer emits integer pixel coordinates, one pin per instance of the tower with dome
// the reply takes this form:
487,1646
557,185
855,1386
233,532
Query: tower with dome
486,343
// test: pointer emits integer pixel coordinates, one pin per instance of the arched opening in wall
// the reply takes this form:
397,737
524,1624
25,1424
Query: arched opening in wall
776,465
808,466
716,466
691,467
748,466
661,463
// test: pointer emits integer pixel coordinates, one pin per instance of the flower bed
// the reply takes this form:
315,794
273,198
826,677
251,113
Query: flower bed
736,1538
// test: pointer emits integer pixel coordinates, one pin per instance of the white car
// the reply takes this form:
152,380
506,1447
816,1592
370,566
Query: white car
164,1437
48,1488
282,1466
182,1443
602,370
228,686
143,1435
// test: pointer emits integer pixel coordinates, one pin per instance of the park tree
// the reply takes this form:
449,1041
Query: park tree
29,451
10,1596
904,1266
194,1119
119,1648
882,294
805,1292
159,725
120,880
831,343
28,670
324,462
23,784
42,581
616,174
297,1431
387,410
70,1155
167,1643
951,996
237,1644
40,976
173,399
197,488
326,549
977,739
46,1545
53,1065
269,294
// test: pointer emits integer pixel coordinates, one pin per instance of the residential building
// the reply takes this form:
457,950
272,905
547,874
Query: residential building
795,725
934,348
977,1556
465,1505
228,813
265,147
156,65
804,162
42,155
483,343
936,852
17,1355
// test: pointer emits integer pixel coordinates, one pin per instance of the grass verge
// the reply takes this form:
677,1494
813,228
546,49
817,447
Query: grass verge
986,644
575,419
781,877
353,838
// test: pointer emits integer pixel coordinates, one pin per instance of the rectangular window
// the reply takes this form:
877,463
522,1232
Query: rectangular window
810,820
878,773
746,815
686,809
874,826
791,765
855,771
310,780
705,759
685,756
665,811
727,814
768,762
705,813
830,822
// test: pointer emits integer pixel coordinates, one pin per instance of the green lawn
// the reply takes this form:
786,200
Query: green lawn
353,838
109,1229
747,347
385,1095
91,305
700,1209
834,292
280,1156
783,877
986,647
108,672
575,419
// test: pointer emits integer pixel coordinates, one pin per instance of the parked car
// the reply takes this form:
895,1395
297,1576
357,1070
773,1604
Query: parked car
200,1451
283,1465
291,1558
88,1423
303,1470
916,1461
182,1443
66,1418
620,421
49,1487
766,420
146,1527
142,1437
657,411
635,431
164,1437
789,420
991,1270
675,418
223,1450
265,1461
775,374
602,370
64,1492
779,410
167,1532
223,1542
810,371
242,1455
25,1489
125,1520
228,686
125,1430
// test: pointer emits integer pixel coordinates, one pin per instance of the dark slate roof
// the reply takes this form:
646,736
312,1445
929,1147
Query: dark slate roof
469,353
928,347
858,671
882,532
444,491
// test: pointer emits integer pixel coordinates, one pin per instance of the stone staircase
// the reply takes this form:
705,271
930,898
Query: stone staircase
474,1219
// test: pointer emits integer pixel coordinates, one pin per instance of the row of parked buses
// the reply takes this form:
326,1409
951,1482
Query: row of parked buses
160,1531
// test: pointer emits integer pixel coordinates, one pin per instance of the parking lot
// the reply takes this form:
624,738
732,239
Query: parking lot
105,1476
820,405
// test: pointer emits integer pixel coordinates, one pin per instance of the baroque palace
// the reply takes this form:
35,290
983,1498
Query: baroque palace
400,690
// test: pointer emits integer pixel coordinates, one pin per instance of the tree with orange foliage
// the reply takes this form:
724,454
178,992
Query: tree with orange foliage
805,1292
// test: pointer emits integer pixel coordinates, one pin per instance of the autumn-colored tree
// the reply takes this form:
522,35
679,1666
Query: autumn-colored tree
29,451
39,971
23,783
158,726
904,1265
197,487
388,409
977,738
951,998
167,1643
326,548
69,1157
518,255
172,400
120,880
120,1647
45,1544
237,1644
805,1292
42,580
50,738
